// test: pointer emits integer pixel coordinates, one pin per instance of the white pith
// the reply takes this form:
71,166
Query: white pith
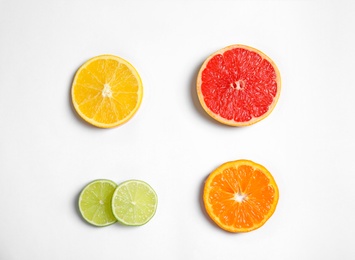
107,92
239,197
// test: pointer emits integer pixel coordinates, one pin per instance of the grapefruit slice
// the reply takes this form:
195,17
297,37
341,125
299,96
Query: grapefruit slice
238,85
240,196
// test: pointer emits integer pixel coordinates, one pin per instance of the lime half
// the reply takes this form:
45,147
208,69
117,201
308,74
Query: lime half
95,202
134,203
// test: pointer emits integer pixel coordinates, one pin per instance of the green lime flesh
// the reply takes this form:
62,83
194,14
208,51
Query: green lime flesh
95,202
134,203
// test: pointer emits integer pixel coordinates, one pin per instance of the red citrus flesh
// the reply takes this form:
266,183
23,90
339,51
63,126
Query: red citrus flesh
238,85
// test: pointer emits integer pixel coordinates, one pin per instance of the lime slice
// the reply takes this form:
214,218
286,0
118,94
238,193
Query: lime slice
134,203
95,202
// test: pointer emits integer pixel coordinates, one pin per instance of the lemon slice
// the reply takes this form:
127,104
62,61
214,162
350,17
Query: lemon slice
95,202
134,203
107,91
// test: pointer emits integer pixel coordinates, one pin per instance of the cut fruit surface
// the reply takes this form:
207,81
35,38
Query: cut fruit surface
95,202
238,85
240,196
134,203
107,91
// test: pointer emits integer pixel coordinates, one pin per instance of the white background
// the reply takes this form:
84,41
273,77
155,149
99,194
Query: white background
48,154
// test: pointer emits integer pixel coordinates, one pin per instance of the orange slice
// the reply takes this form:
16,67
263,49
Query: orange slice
238,85
240,196
107,91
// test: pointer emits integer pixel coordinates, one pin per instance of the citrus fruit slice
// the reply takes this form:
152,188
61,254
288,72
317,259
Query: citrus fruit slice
107,91
240,196
238,85
134,203
95,202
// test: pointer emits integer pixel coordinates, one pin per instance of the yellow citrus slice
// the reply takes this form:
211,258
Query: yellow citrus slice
240,196
107,91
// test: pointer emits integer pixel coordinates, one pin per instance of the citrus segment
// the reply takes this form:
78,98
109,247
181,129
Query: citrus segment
107,91
238,85
95,202
134,203
240,196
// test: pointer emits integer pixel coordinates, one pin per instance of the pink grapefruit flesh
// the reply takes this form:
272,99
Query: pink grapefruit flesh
238,85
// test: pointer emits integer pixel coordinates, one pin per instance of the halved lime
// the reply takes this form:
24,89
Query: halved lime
95,202
134,203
